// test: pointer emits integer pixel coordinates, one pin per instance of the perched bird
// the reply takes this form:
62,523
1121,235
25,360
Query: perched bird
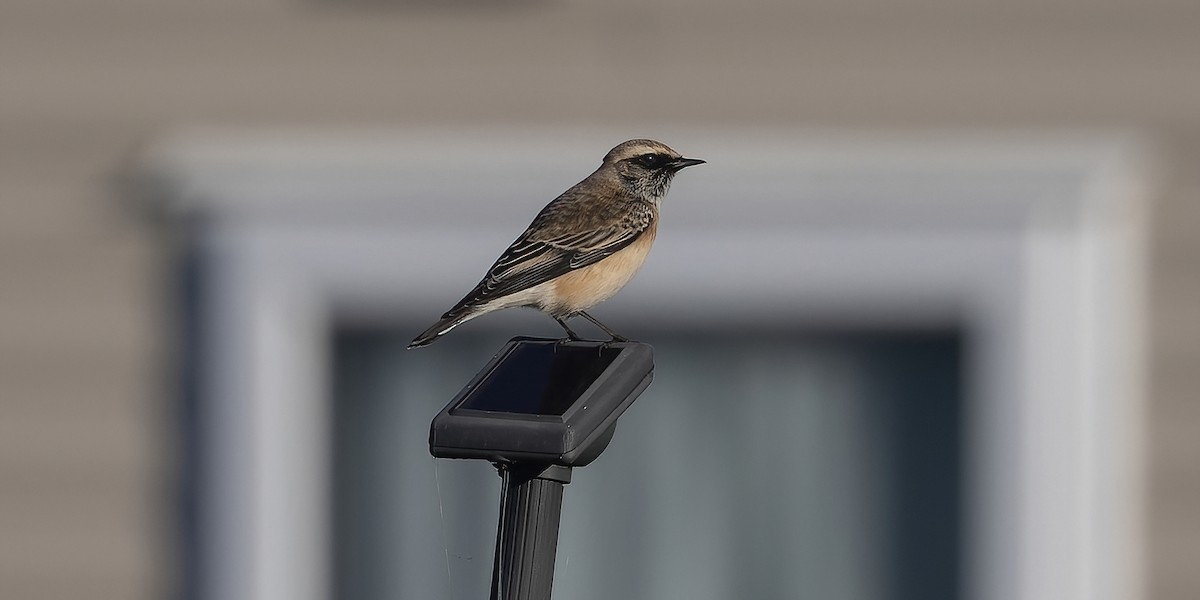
583,247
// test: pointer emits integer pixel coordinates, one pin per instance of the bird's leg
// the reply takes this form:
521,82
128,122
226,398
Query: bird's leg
597,323
571,335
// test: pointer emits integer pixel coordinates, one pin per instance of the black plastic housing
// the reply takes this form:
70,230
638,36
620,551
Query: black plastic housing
543,401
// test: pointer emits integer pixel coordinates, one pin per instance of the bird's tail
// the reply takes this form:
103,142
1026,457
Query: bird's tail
448,321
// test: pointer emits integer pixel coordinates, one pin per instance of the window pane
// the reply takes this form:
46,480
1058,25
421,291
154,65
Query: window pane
755,466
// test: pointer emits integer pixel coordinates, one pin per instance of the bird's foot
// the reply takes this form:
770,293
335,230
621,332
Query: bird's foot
616,337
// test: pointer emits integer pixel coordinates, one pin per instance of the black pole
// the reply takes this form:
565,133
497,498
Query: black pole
527,536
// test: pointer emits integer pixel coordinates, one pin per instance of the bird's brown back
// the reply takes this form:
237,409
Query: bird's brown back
587,223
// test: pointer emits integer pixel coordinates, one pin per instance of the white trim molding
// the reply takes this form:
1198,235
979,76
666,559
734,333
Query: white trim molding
1032,243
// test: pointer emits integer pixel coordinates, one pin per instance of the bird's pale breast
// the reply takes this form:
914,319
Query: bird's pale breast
584,288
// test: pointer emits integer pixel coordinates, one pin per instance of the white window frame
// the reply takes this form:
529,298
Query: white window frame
1034,243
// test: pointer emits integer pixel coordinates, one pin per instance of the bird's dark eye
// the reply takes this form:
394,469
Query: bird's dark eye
651,161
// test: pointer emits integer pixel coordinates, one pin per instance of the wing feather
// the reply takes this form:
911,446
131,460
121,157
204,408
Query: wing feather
530,262
574,231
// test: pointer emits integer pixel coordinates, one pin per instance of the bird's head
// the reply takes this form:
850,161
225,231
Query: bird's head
646,167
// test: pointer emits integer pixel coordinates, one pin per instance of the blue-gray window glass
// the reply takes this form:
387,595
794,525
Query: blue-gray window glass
760,465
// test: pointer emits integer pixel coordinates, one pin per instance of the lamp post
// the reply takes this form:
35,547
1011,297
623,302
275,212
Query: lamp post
538,409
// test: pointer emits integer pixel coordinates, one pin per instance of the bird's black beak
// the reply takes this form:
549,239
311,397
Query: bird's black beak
681,162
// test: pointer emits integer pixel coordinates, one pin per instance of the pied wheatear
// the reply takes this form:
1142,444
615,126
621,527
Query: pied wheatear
583,247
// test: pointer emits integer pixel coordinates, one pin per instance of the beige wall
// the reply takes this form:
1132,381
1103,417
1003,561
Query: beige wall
84,442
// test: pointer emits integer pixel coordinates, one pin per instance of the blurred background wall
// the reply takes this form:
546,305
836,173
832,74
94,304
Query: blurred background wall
85,462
